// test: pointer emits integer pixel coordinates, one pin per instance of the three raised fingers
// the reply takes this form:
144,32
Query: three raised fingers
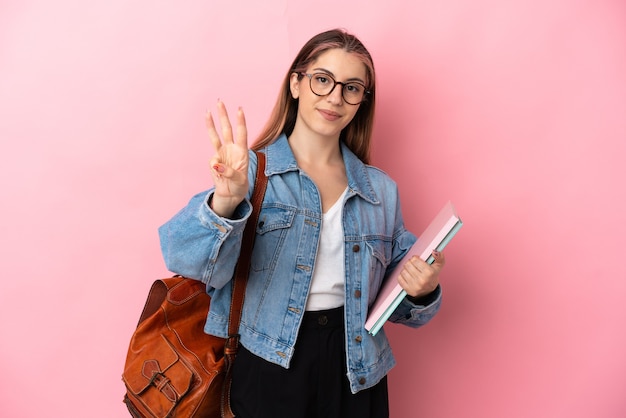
241,137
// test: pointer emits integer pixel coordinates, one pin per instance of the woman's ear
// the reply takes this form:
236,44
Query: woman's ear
294,85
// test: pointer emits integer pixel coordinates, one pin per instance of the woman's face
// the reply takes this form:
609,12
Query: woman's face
327,115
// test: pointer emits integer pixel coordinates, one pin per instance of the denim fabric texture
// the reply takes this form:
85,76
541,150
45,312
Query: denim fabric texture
199,244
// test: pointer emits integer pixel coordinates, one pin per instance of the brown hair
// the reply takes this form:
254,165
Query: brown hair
358,133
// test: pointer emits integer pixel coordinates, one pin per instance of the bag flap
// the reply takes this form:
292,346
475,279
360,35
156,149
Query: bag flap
163,369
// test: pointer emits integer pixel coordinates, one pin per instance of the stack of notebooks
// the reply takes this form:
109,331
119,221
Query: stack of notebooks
435,237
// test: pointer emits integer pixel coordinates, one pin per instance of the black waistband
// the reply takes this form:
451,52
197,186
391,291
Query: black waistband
328,318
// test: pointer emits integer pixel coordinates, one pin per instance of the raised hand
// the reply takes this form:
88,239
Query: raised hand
229,165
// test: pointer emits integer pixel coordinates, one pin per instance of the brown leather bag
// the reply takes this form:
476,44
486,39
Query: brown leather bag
174,369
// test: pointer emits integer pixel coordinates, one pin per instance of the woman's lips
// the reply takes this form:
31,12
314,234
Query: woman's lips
329,115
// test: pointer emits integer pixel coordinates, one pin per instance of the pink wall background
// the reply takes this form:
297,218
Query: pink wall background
515,111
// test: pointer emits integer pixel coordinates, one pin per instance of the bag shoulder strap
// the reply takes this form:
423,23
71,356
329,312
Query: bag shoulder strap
243,265
239,283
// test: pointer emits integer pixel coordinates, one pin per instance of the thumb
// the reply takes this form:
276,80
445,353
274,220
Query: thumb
220,169
440,260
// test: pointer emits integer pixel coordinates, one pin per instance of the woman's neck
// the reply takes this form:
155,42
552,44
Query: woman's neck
320,158
315,150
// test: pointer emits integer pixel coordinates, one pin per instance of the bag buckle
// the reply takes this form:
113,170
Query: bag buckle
232,344
157,379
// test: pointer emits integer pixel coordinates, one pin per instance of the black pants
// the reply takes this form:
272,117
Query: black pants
315,385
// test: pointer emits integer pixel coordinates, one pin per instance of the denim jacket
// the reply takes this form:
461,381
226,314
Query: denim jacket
199,244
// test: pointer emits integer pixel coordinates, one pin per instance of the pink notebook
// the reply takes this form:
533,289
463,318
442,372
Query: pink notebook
435,237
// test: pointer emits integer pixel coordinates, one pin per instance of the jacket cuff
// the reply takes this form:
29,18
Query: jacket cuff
426,300
225,225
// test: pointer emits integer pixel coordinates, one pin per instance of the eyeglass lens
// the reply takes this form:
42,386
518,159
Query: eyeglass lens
323,84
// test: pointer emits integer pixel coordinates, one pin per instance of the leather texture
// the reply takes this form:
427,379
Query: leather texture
173,368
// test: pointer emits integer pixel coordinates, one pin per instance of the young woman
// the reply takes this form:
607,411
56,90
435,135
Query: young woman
330,231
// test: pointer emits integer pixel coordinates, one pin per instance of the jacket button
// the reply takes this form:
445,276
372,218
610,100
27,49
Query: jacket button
358,339
357,293
362,381
356,248
322,320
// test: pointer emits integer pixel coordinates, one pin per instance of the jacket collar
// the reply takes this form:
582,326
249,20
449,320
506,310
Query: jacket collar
280,159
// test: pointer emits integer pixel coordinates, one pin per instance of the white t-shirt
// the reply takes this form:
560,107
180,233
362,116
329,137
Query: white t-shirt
328,282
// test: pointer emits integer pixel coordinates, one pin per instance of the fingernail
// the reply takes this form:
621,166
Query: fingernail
218,168
436,253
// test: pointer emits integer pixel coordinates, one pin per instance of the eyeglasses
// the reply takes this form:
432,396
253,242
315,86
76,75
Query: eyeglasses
323,84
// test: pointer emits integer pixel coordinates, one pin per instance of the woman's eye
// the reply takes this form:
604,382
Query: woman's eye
353,88
322,80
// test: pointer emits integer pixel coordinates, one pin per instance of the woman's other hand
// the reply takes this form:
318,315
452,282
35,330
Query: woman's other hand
229,165
418,278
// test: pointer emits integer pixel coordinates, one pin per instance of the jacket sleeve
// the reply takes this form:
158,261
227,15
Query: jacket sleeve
409,313
416,315
199,244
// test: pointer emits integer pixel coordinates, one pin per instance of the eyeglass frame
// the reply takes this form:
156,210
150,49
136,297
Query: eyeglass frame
335,82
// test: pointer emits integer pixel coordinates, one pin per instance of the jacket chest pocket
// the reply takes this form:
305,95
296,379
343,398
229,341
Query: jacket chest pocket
271,235
378,259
